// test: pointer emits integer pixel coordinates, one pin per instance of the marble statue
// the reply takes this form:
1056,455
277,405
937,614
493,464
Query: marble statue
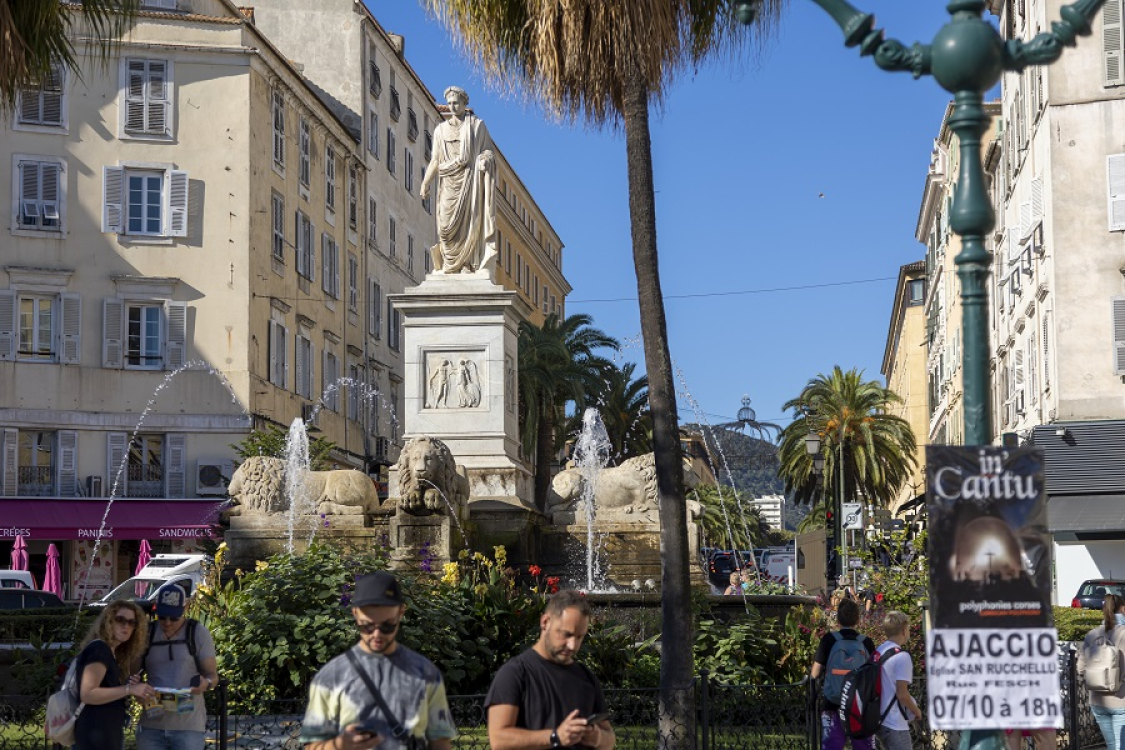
258,485
439,384
468,384
463,164
623,494
426,471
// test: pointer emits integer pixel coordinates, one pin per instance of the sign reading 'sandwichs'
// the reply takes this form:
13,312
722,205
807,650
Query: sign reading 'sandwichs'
992,653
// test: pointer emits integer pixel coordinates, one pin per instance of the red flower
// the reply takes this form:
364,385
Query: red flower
535,570
879,598
553,584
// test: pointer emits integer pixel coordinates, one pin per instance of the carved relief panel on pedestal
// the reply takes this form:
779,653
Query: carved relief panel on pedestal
454,379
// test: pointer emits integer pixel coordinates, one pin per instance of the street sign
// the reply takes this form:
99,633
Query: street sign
855,563
852,515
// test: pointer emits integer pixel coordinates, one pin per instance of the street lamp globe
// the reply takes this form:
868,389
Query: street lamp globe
812,443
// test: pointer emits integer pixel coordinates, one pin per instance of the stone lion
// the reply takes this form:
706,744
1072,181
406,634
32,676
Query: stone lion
427,470
625,493
258,483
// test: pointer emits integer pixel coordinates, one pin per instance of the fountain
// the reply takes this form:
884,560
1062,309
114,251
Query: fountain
591,454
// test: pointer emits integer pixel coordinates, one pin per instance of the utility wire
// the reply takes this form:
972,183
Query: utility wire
742,292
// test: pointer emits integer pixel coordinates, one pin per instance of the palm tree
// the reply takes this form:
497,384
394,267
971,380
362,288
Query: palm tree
38,35
607,61
558,362
728,520
623,403
849,414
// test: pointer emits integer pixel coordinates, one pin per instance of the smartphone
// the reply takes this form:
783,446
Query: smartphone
595,718
369,727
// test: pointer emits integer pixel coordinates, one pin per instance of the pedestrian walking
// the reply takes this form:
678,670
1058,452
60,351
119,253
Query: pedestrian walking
110,652
378,692
735,586
1106,643
896,672
180,655
839,652
543,698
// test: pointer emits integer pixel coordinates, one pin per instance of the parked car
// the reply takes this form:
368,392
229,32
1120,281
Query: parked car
1091,593
185,571
16,579
13,598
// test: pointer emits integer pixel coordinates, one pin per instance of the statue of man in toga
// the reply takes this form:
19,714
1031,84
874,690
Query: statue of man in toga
462,161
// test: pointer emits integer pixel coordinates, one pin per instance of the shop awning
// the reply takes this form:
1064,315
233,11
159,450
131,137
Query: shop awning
1086,513
129,518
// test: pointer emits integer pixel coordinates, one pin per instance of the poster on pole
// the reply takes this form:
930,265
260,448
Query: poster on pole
991,652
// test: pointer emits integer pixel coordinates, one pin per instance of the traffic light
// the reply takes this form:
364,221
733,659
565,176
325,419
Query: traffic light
830,518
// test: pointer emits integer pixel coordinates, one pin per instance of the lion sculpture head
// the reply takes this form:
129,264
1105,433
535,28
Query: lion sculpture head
257,486
426,471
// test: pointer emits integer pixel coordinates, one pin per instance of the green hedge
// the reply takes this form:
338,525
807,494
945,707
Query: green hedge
48,624
1073,624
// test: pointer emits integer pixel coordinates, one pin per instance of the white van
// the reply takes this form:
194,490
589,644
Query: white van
776,565
185,571
16,579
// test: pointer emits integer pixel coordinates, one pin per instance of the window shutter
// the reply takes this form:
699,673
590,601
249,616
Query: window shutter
177,204
335,250
113,183
325,268
273,353
70,332
176,344
11,462
30,100
1111,43
1032,367
135,96
29,193
117,443
1115,177
283,340
158,100
174,484
49,174
113,323
1025,219
8,319
299,353
1046,352
1119,335
53,96
1037,199
325,380
68,465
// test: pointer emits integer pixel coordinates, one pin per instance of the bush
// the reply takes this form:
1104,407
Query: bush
1073,624
48,624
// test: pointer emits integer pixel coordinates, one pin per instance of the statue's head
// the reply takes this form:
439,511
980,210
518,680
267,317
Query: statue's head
457,100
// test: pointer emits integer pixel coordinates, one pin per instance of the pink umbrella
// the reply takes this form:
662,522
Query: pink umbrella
53,581
144,557
19,555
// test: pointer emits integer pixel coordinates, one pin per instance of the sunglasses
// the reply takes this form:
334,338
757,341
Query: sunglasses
169,618
130,621
386,628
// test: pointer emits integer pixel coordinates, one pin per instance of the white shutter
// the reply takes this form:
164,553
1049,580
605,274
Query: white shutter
135,96
272,375
283,342
324,379
113,183
116,475
325,268
29,193
1115,179
1119,335
70,332
174,481
177,335
49,174
1033,367
299,352
1037,199
1046,351
29,105
11,463
177,204
1025,219
335,249
1018,376
53,96
8,317
113,324
157,99
68,464
1111,44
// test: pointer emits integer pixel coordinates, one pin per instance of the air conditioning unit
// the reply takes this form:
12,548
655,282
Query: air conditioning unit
212,476
382,447
308,412
93,486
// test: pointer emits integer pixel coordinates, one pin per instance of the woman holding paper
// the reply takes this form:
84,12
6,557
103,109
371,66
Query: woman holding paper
1100,666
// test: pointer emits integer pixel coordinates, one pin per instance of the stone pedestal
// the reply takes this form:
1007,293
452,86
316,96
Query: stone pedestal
421,541
461,349
256,537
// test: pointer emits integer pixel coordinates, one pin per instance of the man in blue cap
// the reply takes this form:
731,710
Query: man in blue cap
181,656
378,692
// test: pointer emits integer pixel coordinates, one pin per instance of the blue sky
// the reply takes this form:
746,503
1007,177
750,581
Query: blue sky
742,154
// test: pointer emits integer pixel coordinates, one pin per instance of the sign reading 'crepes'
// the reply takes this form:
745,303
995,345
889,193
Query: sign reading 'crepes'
992,654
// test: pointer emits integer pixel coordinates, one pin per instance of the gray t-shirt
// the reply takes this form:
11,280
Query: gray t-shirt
170,664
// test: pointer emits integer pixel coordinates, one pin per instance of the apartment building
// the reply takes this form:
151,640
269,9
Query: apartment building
183,261
1058,284
905,368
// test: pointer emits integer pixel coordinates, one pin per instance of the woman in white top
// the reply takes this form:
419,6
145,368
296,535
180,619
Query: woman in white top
1108,708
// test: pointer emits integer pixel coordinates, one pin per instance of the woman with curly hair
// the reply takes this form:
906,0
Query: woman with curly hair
112,649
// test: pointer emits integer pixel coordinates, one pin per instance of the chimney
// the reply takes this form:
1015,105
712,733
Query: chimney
398,41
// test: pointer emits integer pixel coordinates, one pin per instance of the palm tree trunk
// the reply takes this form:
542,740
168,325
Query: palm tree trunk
544,450
677,718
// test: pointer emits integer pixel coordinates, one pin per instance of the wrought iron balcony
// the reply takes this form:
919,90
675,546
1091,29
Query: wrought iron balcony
36,481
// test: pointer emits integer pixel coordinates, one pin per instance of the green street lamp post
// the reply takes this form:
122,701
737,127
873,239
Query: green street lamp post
967,58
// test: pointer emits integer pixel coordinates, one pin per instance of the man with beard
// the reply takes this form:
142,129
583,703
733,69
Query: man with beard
378,692
543,698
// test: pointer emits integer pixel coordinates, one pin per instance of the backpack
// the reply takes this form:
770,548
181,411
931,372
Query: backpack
846,655
862,697
64,708
1103,665
188,640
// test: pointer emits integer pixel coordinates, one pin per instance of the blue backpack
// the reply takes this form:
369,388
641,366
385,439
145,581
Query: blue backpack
846,655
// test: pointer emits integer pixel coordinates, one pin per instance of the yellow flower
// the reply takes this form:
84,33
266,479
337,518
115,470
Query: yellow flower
452,573
501,555
479,557
239,572
261,565
480,589
463,554
222,545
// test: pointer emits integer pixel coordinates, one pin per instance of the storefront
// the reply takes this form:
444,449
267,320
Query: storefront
90,569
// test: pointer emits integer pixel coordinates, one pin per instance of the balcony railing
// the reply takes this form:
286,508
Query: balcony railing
144,480
36,481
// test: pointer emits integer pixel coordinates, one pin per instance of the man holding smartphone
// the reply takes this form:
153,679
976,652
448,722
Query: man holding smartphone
545,699
378,692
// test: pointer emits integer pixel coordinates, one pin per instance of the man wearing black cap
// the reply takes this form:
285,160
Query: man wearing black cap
378,692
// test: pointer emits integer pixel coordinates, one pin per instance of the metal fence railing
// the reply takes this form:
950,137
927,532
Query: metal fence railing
726,717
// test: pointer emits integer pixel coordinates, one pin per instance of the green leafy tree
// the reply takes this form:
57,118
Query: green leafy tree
38,35
271,442
729,520
608,61
558,363
875,449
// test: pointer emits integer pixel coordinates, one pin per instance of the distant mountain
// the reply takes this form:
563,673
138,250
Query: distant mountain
753,462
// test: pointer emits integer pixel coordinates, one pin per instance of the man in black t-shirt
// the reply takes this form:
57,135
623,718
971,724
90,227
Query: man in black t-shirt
831,728
543,698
